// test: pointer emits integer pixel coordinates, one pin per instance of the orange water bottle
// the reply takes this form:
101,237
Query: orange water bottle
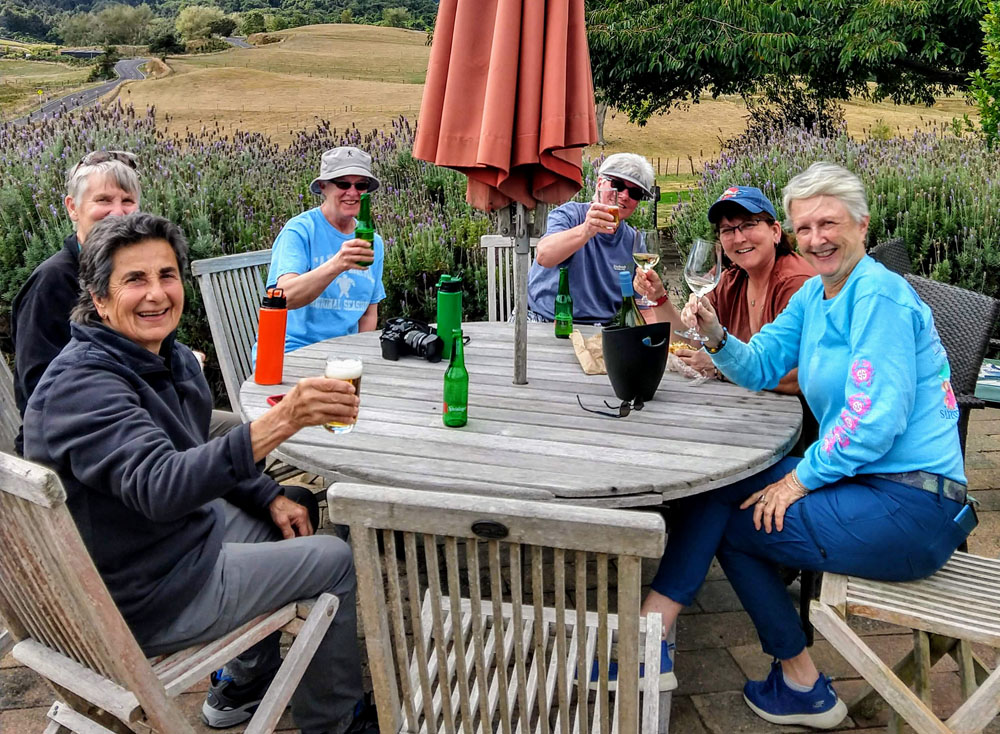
271,338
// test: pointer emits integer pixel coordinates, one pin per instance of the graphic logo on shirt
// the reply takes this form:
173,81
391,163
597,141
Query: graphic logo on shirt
859,403
345,285
862,373
950,410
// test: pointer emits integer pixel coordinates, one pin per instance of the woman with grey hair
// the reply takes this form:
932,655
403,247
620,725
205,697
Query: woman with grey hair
881,494
592,242
102,184
173,519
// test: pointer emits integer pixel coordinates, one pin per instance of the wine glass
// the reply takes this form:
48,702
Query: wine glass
702,272
646,254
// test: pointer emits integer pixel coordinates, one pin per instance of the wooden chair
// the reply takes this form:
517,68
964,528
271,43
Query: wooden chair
231,288
961,601
452,589
893,254
500,296
965,321
10,422
70,632
10,416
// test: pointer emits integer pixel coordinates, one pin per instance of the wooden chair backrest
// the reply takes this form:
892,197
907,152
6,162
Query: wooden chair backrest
56,604
10,416
231,289
500,294
503,557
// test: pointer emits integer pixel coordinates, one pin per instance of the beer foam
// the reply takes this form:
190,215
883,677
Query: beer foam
343,369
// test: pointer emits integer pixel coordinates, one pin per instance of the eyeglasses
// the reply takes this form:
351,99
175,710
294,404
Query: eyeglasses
103,156
623,410
634,191
345,185
727,233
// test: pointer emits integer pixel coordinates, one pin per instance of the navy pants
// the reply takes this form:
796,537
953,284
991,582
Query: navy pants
864,526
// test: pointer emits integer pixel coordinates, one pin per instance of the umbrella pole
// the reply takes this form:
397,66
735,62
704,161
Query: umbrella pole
522,250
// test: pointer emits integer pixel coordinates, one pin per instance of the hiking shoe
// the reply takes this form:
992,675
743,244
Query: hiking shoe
228,704
774,701
668,681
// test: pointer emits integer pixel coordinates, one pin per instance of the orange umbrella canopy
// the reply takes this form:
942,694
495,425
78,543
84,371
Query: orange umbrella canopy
509,99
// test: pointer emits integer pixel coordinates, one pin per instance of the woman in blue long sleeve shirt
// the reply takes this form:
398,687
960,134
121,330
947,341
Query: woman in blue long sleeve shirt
873,371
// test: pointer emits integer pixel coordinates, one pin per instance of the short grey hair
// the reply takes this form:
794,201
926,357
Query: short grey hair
123,176
827,179
97,258
631,167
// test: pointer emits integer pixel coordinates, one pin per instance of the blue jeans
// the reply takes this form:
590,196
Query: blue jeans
864,526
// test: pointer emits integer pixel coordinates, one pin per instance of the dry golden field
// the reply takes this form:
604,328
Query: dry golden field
363,75
20,81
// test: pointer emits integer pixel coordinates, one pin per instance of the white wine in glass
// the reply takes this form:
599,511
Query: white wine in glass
702,272
646,254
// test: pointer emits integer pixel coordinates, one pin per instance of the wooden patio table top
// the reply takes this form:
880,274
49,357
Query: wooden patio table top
533,441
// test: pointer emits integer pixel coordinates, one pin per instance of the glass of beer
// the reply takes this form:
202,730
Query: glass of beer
348,370
608,195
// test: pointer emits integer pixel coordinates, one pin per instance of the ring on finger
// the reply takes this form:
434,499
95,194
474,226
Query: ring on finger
762,499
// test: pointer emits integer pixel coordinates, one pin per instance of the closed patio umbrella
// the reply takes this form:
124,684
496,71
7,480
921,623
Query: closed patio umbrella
509,102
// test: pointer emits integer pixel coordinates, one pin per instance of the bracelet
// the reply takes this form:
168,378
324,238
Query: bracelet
797,482
661,300
722,342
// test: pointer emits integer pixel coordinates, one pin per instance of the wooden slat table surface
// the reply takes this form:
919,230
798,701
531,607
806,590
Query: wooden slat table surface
533,441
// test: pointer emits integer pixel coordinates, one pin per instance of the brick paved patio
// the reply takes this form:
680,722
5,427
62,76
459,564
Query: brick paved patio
717,647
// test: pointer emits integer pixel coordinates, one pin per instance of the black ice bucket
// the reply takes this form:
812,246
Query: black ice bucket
635,358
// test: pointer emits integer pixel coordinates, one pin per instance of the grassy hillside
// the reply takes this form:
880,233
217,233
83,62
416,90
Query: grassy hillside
20,81
365,75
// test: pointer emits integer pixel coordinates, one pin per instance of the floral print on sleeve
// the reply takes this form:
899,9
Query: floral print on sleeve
858,405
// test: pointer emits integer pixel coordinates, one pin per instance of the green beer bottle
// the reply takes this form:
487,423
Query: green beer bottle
365,228
456,386
629,313
564,305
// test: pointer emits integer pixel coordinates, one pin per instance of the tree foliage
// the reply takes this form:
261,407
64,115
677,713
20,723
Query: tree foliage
396,17
986,83
648,55
104,66
196,21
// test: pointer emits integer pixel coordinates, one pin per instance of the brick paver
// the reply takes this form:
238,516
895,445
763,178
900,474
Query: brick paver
717,646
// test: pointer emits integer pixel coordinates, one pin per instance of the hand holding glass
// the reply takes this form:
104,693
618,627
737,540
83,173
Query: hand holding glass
349,370
608,196
702,273
646,254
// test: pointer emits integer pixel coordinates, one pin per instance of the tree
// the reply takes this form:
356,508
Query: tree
104,65
124,24
986,83
648,55
224,26
346,16
253,22
78,29
395,17
196,21
165,42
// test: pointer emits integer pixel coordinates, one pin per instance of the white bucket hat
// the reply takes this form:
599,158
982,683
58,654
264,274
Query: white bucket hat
344,161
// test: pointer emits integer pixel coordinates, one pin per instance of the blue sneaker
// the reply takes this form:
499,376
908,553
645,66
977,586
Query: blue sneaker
774,701
668,681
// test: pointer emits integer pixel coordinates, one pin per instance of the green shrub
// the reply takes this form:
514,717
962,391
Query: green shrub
938,191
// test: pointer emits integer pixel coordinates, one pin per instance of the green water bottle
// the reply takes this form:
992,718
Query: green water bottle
456,385
365,228
564,305
628,314
449,310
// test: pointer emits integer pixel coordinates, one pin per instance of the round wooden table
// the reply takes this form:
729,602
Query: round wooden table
533,441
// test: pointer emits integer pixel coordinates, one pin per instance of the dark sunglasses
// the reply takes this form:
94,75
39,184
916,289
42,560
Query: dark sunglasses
634,191
103,156
345,185
623,410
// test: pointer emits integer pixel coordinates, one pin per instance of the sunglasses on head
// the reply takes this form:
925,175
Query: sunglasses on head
103,156
634,191
345,185
623,410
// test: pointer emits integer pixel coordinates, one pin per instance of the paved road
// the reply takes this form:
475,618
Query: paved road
238,42
126,69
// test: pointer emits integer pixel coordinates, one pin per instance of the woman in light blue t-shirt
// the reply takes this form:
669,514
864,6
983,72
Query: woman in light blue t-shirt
881,494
